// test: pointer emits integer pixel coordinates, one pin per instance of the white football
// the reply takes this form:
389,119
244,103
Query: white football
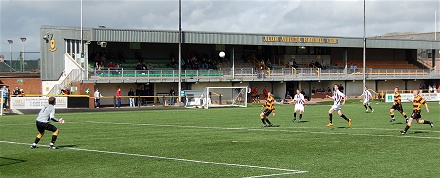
221,54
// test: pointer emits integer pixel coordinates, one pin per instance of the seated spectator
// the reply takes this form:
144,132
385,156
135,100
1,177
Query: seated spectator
111,65
313,90
318,65
269,64
16,91
288,96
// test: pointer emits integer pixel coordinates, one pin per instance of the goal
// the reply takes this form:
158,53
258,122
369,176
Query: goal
224,97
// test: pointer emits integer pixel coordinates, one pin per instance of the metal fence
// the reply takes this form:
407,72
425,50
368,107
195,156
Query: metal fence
277,74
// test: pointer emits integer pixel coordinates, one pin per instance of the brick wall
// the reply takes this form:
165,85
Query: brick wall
29,85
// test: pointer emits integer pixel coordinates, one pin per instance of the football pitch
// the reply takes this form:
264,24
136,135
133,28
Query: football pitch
224,142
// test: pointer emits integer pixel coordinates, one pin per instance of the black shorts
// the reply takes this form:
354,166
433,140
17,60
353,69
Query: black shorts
416,115
41,126
397,107
267,112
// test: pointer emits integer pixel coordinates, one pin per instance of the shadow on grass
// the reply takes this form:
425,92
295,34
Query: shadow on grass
419,132
66,146
303,122
400,123
9,161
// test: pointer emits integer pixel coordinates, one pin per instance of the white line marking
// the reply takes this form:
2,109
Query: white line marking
286,171
267,130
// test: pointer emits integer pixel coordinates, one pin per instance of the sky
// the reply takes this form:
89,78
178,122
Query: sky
341,18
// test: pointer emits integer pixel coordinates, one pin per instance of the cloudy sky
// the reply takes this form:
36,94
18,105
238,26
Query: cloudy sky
23,18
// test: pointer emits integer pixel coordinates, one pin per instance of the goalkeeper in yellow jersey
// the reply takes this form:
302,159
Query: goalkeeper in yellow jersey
270,108
417,109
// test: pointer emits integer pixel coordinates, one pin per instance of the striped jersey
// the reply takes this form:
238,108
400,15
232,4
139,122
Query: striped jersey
417,103
367,95
299,99
270,103
338,96
397,98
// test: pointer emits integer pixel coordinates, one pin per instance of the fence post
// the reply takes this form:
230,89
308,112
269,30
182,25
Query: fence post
163,100
114,101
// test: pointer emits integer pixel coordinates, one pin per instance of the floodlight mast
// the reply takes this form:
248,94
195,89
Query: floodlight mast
180,52
364,51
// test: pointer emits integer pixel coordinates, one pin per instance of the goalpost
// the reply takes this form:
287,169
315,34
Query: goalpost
1,102
224,97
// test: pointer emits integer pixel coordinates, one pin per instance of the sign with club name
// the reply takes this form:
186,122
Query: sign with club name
36,102
406,96
296,39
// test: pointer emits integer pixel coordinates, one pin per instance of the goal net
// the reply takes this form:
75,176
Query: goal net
224,97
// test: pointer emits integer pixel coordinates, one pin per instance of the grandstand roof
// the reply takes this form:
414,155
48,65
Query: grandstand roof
428,36
405,41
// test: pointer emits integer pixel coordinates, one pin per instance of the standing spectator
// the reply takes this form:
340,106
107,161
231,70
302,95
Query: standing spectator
265,92
131,95
97,95
341,88
5,96
172,94
118,97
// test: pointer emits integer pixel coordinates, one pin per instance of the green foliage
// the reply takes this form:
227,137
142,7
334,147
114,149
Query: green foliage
148,140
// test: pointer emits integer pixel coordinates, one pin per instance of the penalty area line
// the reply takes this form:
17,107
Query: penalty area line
267,130
285,171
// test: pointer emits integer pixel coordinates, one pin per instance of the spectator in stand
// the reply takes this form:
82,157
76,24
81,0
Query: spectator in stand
318,65
111,65
121,56
96,67
354,68
139,66
65,91
16,92
118,97
131,95
269,64
313,90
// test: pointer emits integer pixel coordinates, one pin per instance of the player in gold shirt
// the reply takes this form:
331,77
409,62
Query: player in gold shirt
397,105
270,108
417,108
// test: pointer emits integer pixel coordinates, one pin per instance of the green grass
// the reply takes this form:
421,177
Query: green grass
168,143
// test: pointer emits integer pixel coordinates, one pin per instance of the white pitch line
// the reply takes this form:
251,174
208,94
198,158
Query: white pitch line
287,171
268,130
381,129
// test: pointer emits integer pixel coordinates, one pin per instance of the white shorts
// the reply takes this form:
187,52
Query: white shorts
336,107
299,107
366,102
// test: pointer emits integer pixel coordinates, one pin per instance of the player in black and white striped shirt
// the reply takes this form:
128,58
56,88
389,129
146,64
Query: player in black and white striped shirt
367,95
299,101
338,100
